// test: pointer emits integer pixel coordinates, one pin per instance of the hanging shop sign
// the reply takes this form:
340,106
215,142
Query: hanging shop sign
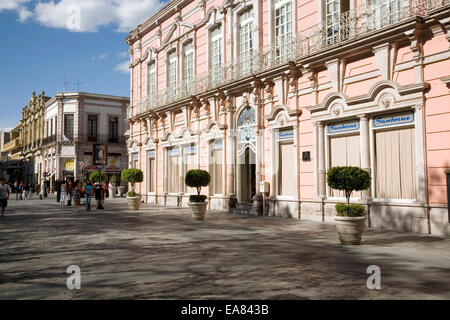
393,120
69,164
100,154
342,127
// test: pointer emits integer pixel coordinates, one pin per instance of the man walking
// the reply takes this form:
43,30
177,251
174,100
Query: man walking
88,194
5,192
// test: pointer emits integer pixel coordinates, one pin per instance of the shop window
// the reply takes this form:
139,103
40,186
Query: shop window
151,171
189,163
395,176
215,166
286,155
173,169
344,149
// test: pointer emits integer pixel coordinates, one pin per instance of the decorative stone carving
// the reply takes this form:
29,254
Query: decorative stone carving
337,110
386,101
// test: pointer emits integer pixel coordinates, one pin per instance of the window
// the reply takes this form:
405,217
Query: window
383,13
246,40
152,79
395,164
286,153
216,52
334,9
189,163
135,160
68,126
188,63
283,28
172,73
151,170
92,127
173,169
113,129
344,151
215,166
56,127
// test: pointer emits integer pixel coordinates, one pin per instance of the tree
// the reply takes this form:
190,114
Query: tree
97,176
132,176
197,179
348,179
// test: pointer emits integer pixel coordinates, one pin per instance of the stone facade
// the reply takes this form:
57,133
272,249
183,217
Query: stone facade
281,90
32,134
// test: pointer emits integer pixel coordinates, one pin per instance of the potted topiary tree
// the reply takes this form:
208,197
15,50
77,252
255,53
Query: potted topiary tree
112,187
197,202
350,218
97,176
132,176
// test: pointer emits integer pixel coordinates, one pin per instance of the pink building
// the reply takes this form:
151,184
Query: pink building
282,90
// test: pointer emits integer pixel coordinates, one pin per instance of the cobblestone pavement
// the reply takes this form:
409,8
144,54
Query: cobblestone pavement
159,253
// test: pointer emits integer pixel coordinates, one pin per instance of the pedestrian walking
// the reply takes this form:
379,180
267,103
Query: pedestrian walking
5,192
69,185
21,186
76,196
99,195
25,191
88,194
30,192
62,196
58,190
16,189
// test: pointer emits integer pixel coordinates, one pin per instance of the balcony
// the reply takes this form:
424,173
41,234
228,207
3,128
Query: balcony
11,145
351,25
49,140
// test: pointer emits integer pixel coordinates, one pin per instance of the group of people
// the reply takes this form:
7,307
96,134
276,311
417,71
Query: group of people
70,190
23,191
65,190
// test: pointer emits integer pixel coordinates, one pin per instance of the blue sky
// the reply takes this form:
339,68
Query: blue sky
40,48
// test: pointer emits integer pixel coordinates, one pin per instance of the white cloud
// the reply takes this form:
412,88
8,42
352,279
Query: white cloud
18,6
123,67
123,54
90,15
100,57
24,14
11,4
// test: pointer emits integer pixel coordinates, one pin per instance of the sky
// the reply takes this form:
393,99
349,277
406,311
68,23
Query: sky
53,45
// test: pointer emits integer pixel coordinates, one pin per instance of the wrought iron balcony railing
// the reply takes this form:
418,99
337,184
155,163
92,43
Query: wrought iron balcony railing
352,24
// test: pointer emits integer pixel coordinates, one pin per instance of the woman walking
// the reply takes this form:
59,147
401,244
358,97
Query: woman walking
62,196
76,196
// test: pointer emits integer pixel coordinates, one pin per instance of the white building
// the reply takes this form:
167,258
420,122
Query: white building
74,123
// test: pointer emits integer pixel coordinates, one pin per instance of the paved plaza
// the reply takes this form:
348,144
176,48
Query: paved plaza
159,253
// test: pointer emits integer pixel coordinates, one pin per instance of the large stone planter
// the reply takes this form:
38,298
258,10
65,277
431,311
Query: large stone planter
112,192
134,203
198,210
121,191
350,229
